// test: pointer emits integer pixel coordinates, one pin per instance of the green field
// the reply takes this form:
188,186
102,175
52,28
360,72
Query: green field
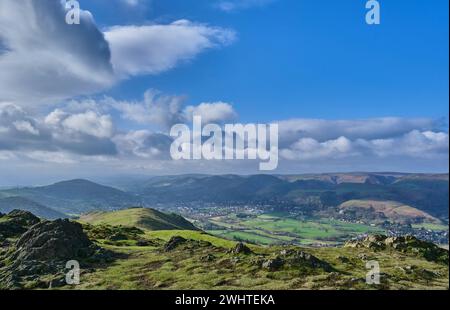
277,229
431,226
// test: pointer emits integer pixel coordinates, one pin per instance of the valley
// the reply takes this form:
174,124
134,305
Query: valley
318,210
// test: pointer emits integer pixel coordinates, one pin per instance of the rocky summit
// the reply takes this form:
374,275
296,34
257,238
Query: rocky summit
16,223
42,252
57,240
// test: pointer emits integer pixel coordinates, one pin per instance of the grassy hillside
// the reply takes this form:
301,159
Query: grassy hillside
125,257
144,218
196,265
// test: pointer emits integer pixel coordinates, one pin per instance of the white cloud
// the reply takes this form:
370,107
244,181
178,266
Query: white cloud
167,110
235,5
426,144
413,144
26,126
86,133
308,148
216,112
144,144
132,3
91,131
90,123
153,49
45,58
372,128
155,109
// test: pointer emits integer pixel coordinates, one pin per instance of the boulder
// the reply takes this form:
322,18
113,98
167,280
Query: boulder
56,240
241,248
273,264
208,258
300,258
174,242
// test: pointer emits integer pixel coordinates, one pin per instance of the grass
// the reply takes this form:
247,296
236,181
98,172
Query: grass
151,268
197,265
190,234
250,236
138,217
431,226
276,228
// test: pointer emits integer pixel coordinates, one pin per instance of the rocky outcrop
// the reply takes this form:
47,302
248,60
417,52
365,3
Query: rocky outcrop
293,258
174,242
43,251
16,223
298,258
57,240
406,244
273,264
374,242
241,248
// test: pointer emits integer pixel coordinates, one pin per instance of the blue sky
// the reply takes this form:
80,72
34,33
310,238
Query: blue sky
314,59
98,99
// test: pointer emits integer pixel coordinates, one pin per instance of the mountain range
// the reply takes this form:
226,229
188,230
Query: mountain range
425,192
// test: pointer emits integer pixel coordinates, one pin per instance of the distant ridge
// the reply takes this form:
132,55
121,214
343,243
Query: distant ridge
11,203
77,196
426,192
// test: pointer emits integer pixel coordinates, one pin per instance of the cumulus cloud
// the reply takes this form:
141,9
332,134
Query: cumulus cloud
153,49
413,144
166,110
216,112
156,108
84,133
80,133
374,128
144,144
90,123
46,59
366,139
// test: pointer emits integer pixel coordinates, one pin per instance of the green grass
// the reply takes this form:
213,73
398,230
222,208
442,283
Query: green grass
188,234
276,228
431,226
181,269
250,236
144,218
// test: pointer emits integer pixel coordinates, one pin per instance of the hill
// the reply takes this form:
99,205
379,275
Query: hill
144,218
387,210
11,203
77,196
